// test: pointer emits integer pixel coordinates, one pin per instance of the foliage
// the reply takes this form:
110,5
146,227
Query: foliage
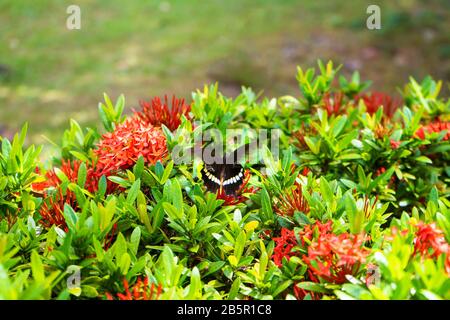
355,207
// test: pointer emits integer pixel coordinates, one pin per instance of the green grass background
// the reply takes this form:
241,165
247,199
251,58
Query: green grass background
49,74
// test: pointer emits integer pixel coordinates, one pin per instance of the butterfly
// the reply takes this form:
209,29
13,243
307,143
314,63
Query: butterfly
226,176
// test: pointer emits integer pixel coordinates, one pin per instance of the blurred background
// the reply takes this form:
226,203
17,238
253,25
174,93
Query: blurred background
142,49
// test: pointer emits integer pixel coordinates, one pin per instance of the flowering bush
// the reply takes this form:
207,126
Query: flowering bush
353,205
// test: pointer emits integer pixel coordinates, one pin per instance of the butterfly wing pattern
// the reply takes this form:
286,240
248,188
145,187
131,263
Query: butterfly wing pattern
226,176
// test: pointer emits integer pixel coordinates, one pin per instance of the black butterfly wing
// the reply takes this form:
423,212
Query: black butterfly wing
211,177
233,178
227,176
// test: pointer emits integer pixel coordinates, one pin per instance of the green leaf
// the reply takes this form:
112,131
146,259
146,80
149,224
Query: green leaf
102,186
37,267
172,212
326,191
195,285
239,245
167,172
139,167
234,290
133,192
281,288
61,175
118,180
125,262
70,216
81,179
266,207
135,239
312,286
79,155
89,291
315,148
214,267
233,260
424,159
349,156
339,125
177,196
263,261
250,226
120,246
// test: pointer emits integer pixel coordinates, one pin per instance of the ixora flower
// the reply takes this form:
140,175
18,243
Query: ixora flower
52,209
329,257
333,103
240,195
283,246
157,112
377,100
140,291
301,134
120,149
430,241
288,240
395,144
436,126
290,202
70,170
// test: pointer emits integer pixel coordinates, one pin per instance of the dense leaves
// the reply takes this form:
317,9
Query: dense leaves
353,205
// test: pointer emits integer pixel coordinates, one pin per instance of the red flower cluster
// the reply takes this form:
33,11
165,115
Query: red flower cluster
377,100
331,257
395,144
333,105
305,171
52,208
307,234
300,134
131,139
294,201
140,291
436,126
70,170
232,200
158,112
287,241
429,242
283,246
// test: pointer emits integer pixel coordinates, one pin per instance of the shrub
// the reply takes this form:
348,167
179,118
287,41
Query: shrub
355,207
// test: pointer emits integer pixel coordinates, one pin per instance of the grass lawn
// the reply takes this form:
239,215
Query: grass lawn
148,48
